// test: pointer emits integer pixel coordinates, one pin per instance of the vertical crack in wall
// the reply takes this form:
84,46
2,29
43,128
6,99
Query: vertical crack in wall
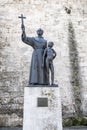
75,69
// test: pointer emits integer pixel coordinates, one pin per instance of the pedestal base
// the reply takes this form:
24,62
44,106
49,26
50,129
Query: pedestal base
42,108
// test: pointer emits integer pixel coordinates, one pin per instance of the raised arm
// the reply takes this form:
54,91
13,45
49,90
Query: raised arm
23,36
25,39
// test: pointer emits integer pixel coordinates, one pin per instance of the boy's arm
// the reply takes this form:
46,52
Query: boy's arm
54,53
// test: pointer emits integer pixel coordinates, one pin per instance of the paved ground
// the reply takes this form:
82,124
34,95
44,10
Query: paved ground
68,128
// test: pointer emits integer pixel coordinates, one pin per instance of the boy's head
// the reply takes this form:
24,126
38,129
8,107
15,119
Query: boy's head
50,44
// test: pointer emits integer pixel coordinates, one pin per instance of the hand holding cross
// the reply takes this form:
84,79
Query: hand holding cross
22,25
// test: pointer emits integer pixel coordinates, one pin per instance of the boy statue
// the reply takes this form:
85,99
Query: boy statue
48,56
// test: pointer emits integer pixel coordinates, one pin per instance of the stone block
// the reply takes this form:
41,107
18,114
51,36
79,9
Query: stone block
42,108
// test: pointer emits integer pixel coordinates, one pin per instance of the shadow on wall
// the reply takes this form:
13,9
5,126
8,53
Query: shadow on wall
75,69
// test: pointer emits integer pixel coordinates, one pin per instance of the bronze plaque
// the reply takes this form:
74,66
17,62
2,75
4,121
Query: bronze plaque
42,102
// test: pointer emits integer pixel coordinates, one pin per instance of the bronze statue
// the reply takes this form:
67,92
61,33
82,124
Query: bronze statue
37,72
48,56
42,57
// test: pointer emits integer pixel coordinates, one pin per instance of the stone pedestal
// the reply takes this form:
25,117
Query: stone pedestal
42,108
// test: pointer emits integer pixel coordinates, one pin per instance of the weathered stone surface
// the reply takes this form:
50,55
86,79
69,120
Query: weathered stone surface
54,17
42,117
75,121
10,120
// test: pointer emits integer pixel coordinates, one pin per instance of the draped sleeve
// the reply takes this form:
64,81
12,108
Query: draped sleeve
28,40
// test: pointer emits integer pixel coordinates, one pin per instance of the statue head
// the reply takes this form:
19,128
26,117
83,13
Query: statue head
50,44
40,32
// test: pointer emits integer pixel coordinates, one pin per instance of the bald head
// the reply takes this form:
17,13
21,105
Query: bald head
40,32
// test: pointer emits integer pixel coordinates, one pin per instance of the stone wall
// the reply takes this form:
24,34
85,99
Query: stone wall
65,23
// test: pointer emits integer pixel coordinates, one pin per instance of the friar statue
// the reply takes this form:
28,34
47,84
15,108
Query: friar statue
37,72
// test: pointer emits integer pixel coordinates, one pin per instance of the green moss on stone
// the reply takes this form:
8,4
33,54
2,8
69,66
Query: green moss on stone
75,121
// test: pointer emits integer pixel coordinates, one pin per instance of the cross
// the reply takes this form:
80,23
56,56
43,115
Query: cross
22,18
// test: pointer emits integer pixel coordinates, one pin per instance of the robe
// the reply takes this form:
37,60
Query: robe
37,72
